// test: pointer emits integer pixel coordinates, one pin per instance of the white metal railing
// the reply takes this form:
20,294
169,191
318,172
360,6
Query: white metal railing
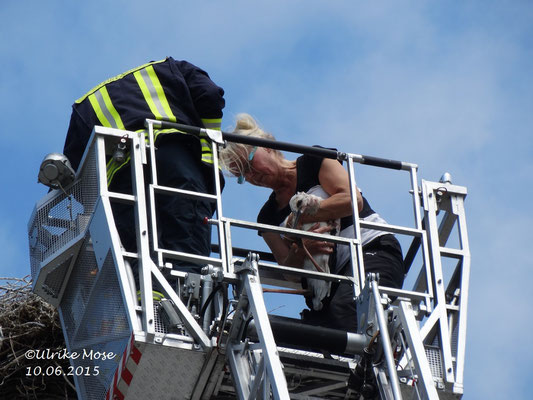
433,311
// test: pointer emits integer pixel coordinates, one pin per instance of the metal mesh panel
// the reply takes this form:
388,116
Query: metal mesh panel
103,328
90,181
435,361
166,373
454,339
89,385
160,322
64,217
55,224
54,280
81,282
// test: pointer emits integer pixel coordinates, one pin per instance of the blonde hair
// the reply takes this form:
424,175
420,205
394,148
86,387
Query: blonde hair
233,155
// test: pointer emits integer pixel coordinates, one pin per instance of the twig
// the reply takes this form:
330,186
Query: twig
65,377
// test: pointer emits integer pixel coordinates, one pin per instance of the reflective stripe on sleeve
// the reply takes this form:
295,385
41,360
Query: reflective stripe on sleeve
207,153
104,109
154,94
212,123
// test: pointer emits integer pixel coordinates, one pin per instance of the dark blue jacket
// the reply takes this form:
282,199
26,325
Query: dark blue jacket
171,90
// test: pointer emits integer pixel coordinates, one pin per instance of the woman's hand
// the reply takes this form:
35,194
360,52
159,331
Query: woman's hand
319,246
290,253
290,221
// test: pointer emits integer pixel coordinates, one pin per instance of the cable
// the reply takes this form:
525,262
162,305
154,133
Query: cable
243,337
208,300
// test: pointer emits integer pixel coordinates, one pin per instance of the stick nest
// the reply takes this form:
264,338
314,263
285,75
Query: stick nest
29,323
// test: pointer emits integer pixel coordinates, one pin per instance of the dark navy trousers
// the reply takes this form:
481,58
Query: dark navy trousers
384,256
180,220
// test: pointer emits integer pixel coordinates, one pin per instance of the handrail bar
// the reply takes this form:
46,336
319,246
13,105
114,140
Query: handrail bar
290,147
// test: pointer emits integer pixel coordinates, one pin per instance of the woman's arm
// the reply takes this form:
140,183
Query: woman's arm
291,254
335,181
283,251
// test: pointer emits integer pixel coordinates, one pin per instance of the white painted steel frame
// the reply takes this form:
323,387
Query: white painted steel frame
430,285
105,198
268,374
148,271
441,318
416,347
386,341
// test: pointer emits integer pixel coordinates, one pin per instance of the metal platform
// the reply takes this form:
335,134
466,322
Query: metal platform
193,340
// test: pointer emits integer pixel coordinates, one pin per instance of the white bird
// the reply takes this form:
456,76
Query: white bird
309,203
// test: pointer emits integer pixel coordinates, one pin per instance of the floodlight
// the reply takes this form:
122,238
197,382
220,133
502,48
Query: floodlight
56,171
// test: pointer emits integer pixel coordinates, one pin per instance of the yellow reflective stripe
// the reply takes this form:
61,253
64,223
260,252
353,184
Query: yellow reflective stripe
207,158
212,123
207,152
113,167
104,109
111,109
206,145
146,94
154,94
98,111
158,132
156,296
160,93
116,78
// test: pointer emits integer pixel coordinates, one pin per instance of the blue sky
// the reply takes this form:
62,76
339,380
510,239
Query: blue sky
444,84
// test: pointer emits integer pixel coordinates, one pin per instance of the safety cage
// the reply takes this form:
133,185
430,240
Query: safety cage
180,335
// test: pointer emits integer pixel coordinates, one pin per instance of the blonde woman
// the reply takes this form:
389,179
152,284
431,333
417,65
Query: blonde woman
262,166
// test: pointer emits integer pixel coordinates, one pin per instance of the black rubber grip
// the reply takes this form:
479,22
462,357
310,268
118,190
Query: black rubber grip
284,146
184,128
382,162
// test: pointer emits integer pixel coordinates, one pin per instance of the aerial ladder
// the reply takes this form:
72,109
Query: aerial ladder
175,335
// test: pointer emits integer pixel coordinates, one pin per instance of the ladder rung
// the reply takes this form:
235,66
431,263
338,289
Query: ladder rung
392,228
451,307
186,193
452,253
122,197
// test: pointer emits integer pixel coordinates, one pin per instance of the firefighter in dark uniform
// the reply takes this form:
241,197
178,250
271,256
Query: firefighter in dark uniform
169,90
